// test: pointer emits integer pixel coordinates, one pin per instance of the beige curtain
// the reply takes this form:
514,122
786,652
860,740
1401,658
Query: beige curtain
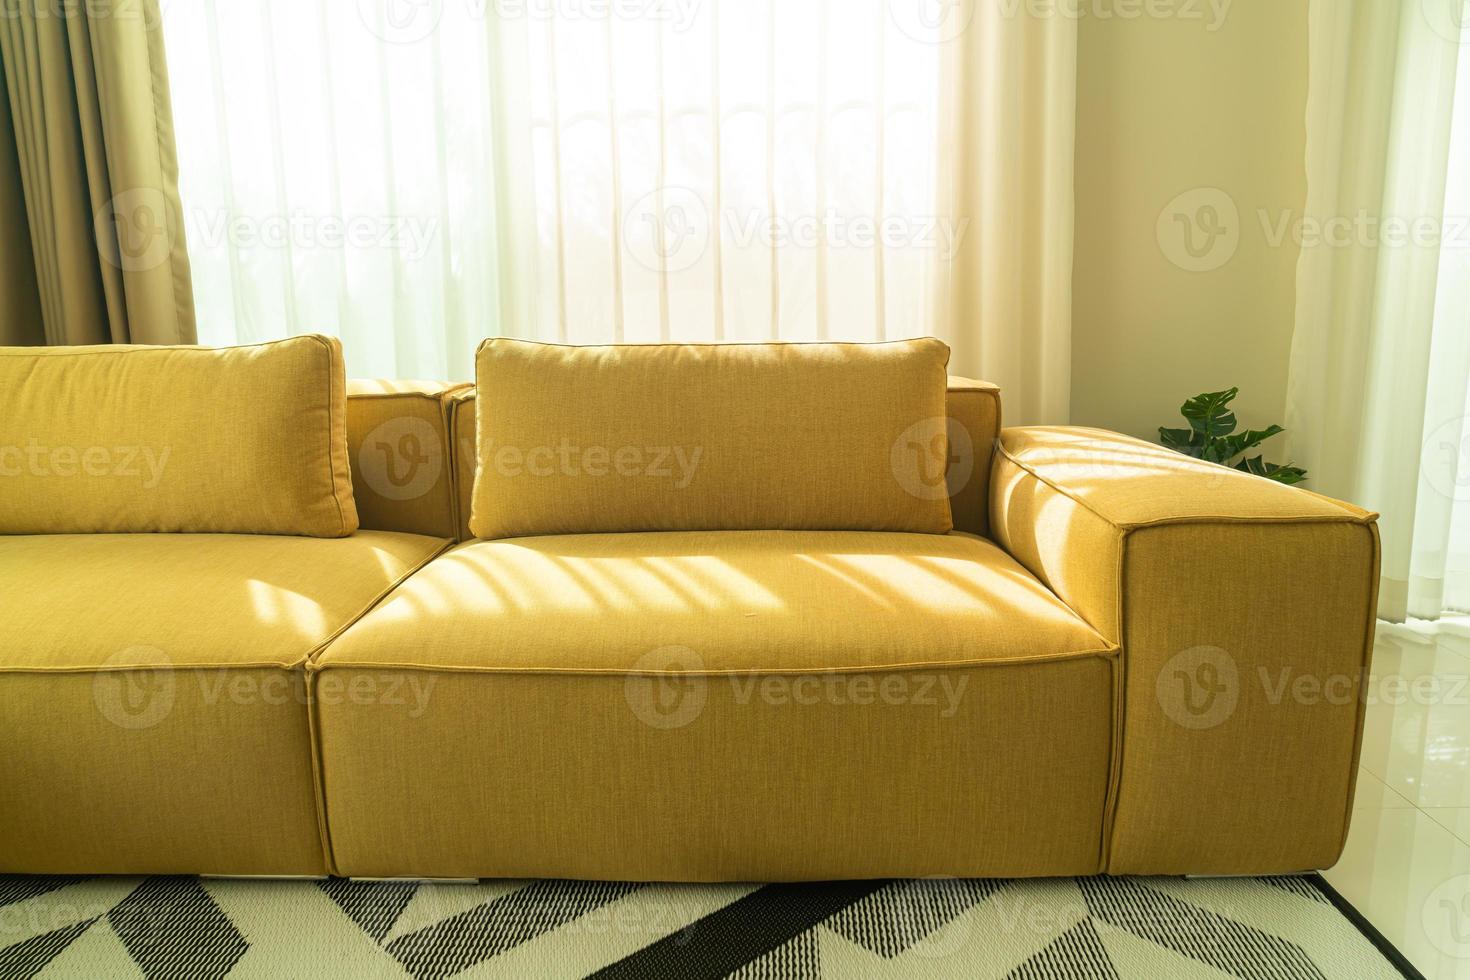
718,170
1009,125
1377,399
93,244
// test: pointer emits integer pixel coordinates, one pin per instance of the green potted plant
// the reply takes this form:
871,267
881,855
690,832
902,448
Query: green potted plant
1211,436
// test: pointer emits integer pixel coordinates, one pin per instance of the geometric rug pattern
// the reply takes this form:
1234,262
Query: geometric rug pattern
184,928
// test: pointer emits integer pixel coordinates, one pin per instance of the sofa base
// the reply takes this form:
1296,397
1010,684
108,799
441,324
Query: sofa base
509,775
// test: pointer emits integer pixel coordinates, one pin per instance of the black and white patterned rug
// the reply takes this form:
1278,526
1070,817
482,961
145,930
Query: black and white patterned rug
1045,928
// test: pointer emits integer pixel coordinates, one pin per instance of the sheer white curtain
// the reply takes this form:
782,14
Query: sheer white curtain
1380,374
414,175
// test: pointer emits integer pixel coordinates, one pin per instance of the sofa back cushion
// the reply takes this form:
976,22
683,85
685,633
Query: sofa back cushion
120,438
674,437
397,438
974,426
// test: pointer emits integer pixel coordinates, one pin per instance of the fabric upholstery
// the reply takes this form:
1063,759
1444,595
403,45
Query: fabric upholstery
152,696
673,706
95,186
398,443
672,437
1244,610
127,438
972,406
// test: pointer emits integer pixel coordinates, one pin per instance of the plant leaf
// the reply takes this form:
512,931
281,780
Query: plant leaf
1209,415
1234,445
1287,474
1185,441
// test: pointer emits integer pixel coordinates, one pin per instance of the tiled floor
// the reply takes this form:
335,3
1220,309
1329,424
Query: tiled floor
1407,864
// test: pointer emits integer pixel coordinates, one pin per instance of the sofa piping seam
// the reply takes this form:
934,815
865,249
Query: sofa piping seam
1108,652
331,432
372,604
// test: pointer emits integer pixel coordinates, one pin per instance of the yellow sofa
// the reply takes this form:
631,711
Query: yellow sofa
1120,660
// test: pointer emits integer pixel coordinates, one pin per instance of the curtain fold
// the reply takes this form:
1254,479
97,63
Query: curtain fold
716,171
89,131
1377,393
20,312
1012,86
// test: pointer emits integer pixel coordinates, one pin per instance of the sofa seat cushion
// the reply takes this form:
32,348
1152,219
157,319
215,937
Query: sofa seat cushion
739,706
760,601
78,601
153,707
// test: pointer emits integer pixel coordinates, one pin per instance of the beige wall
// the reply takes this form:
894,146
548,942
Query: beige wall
1165,106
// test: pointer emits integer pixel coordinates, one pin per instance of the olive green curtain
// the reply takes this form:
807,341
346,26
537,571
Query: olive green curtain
91,227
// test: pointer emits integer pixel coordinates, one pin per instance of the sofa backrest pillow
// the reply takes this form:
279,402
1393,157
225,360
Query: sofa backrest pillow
130,438
675,437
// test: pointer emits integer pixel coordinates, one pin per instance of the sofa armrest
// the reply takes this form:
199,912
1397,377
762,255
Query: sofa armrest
1244,611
